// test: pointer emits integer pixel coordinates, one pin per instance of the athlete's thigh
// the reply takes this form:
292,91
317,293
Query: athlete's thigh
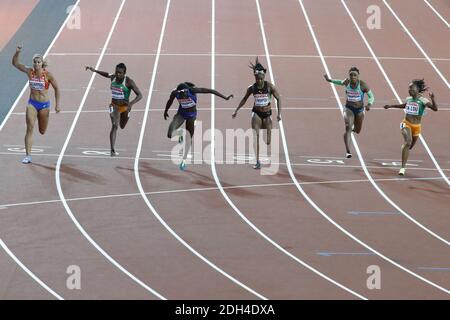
256,122
114,114
359,118
349,117
30,116
190,126
43,116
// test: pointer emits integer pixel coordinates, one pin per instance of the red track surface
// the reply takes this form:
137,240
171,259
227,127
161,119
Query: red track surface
47,241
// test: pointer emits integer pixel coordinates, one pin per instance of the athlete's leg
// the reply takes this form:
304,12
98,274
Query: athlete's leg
31,115
256,126
267,134
349,120
359,118
124,116
406,133
176,122
190,128
43,116
414,140
114,115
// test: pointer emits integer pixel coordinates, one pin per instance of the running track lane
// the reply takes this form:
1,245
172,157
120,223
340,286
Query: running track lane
422,243
125,226
289,231
301,232
42,236
204,219
434,125
407,253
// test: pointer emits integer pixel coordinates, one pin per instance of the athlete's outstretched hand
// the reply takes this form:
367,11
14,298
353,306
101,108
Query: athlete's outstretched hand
368,107
166,115
431,94
229,97
90,68
326,77
234,115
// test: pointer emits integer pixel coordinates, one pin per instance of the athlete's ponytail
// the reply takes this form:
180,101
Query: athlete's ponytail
420,83
257,66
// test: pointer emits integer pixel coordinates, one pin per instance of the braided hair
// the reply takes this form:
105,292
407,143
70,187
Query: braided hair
257,66
420,83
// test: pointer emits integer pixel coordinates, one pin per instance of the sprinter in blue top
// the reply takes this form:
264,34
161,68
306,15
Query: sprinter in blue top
186,94
354,106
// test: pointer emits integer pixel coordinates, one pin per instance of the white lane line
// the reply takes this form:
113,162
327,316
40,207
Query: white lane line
31,274
417,44
421,139
245,186
279,247
438,14
138,179
363,165
60,159
205,162
10,253
236,55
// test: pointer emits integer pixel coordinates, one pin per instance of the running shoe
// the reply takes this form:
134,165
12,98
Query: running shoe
114,153
26,160
183,165
257,165
401,172
348,155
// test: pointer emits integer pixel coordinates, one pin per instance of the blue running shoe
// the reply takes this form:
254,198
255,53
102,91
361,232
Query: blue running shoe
183,165
257,165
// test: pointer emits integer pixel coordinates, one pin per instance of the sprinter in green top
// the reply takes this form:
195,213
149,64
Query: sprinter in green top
120,107
354,106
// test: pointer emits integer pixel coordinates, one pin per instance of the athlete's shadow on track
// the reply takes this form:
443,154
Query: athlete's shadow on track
75,175
195,179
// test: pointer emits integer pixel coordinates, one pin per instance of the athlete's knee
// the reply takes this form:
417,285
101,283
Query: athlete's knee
114,127
30,129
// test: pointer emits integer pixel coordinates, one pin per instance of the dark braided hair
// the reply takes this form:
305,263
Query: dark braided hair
420,83
257,66
353,69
